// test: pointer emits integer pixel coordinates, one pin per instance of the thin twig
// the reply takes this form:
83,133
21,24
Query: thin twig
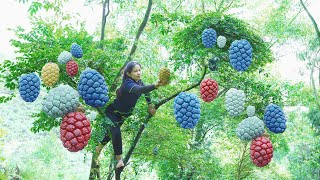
240,166
175,10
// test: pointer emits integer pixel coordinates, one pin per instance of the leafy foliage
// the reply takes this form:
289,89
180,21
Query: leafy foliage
188,48
44,43
314,117
211,150
284,21
43,122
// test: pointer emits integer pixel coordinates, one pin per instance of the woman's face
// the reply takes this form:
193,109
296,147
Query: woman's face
135,74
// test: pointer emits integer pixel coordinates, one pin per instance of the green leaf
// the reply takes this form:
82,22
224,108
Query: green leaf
34,8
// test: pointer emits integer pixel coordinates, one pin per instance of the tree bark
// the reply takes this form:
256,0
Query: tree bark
315,92
134,46
315,25
106,4
95,168
318,77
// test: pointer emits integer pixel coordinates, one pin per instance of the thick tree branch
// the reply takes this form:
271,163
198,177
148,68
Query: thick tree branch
313,21
134,46
318,76
111,168
187,89
118,77
313,84
95,166
313,62
106,4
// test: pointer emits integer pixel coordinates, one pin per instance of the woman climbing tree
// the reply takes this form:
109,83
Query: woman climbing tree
128,94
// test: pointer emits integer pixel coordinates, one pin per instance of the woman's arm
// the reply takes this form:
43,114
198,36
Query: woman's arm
142,89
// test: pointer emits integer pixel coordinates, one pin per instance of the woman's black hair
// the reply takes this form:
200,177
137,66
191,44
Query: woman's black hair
128,69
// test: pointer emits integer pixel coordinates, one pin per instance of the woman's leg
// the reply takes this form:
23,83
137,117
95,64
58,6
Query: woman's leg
114,132
116,140
107,135
117,143
105,140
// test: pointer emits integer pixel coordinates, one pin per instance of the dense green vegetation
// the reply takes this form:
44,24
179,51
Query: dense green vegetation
172,37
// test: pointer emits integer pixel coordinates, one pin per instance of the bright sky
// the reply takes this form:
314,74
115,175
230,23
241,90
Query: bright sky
13,14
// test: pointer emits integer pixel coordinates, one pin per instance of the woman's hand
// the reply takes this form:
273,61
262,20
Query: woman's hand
161,83
151,109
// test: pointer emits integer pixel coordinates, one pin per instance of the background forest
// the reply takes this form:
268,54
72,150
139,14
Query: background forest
285,38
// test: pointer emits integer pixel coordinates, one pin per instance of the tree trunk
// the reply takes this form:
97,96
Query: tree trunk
95,167
134,46
315,92
104,18
315,25
319,77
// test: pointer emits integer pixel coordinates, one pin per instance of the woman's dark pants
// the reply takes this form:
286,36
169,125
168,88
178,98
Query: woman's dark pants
114,132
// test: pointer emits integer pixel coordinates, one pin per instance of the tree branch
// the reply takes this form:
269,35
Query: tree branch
220,6
111,168
104,17
318,76
134,46
313,84
205,133
95,166
187,89
227,7
313,21
215,6
175,10
289,24
313,62
240,166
